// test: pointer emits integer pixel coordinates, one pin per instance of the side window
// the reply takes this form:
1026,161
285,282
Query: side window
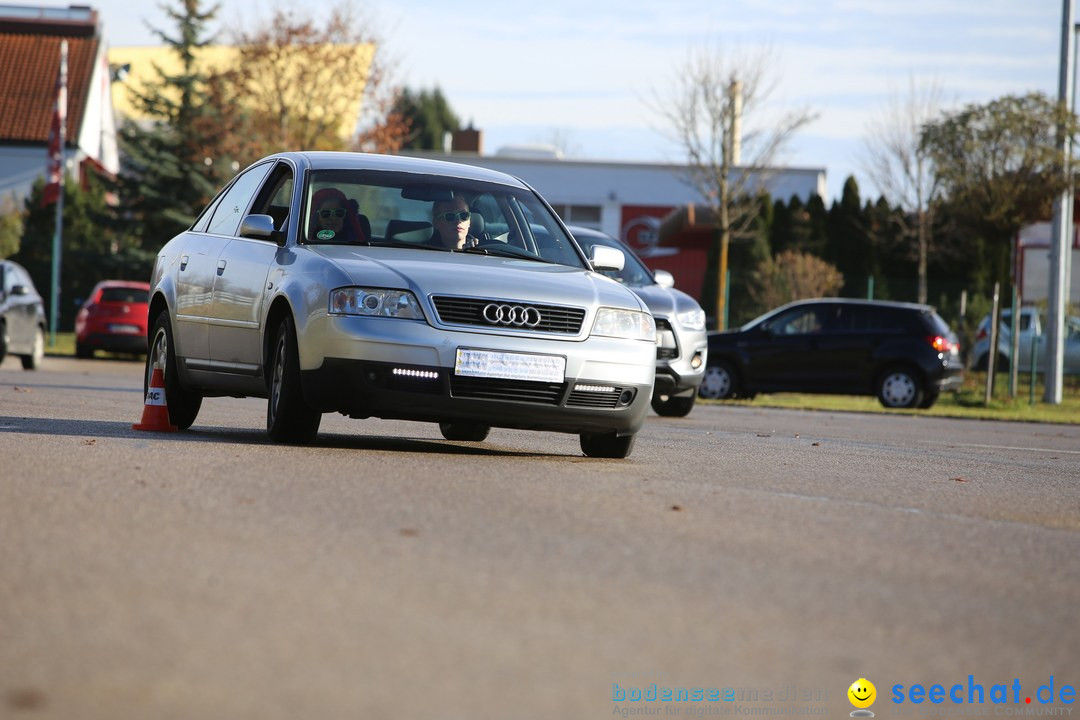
799,322
276,197
203,220
234,203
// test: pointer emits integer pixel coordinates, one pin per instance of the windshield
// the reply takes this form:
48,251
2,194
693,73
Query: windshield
633,274
431,212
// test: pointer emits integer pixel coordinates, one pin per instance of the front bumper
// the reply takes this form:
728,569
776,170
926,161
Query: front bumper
376,367
680,359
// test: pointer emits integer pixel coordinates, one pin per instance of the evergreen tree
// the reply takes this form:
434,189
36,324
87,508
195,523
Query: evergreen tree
850,247
429,117
164,179
85,245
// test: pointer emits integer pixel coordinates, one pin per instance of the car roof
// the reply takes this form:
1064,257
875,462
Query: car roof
329,160
137,284
861,301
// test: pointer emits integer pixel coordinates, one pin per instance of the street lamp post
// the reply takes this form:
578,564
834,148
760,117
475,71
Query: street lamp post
1061,234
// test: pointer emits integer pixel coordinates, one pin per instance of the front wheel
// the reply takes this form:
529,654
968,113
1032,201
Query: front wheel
465,432
721,382
37,354
900,387
607,445
182,404
673,405
289,419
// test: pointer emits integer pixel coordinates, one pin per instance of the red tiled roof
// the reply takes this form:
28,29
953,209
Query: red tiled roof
30,65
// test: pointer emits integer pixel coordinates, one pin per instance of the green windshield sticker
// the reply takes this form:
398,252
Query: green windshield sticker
326,234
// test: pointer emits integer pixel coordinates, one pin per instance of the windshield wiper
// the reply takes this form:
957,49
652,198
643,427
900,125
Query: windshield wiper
505,251
403,244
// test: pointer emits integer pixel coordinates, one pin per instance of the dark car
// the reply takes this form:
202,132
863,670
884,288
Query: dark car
680,325
903,353
113,318
22,316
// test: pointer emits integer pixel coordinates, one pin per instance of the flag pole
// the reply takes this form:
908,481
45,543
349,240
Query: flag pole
61,110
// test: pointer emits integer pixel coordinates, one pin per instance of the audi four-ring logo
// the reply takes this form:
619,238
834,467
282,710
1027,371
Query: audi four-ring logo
517,315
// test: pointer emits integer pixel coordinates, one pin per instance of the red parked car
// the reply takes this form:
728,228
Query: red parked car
113,318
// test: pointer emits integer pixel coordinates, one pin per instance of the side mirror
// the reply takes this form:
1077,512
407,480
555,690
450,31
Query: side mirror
664,278
606,258
20,290
259,227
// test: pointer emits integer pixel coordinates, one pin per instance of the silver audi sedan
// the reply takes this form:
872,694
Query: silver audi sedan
392,287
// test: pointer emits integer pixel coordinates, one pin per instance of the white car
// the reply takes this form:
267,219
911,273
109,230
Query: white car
376,319
682,346
1031,331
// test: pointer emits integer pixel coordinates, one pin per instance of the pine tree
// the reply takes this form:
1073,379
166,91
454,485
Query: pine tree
164,180
429,117
86,244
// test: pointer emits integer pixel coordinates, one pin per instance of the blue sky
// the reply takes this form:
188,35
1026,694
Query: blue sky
589,73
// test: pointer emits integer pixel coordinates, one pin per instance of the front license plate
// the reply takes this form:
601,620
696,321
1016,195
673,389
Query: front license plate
126,329
510,366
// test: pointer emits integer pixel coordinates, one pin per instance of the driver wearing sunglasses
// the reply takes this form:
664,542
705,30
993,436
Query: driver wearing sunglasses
452,219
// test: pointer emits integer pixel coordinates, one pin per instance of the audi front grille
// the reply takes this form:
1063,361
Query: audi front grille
509,315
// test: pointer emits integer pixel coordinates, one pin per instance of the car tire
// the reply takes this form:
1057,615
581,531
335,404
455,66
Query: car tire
607,445
928,400
289,419
464,432
673,405
900,387
37,354
83,351
982,362
721,382
183,405
3,341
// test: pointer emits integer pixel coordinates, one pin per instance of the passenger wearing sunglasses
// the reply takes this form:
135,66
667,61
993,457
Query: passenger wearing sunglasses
452,220
334,218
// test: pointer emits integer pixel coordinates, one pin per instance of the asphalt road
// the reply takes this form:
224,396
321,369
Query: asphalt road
386,572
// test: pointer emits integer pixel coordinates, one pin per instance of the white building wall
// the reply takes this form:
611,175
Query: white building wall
612,184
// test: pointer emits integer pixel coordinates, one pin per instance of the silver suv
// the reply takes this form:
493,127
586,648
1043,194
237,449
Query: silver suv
321,282
681,343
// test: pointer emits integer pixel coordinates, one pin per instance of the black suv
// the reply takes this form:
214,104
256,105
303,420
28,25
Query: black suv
902,352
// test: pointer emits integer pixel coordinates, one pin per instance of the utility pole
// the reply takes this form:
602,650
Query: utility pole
1061,232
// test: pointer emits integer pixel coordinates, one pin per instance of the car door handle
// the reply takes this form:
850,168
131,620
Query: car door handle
220,267
183,262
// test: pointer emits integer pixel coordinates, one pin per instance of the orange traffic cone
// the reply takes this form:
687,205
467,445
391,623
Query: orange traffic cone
155,415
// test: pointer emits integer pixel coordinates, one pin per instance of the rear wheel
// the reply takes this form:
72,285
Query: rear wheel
37,353
900,387
183,405
674,405
289,419
83,351
463,431
607,445
721,382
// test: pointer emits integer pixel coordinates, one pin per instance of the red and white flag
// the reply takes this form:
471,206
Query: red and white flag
55,167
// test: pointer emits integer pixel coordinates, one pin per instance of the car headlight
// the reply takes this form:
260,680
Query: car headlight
692,319
629,324
375,302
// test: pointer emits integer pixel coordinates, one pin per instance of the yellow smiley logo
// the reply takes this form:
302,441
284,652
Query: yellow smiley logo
862,693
